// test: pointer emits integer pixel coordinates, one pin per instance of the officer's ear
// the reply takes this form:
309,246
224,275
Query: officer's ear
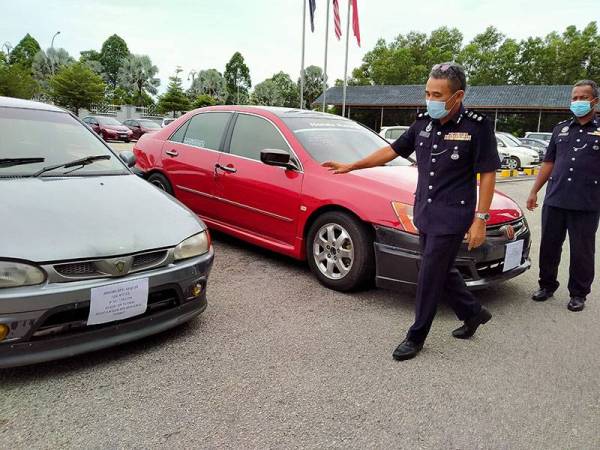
459,95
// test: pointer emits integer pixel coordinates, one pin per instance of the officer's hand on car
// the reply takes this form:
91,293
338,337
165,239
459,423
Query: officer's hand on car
337,167
476,234
532,201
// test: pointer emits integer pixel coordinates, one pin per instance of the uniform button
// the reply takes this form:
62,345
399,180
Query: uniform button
439,133
456,147
596,182
429,200
568,179
581,131
421,144
433,160
578,140
462,202
434,145
431,174
572,159
571,169
430,187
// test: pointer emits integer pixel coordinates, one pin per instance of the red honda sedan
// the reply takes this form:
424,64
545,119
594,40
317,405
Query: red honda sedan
255,173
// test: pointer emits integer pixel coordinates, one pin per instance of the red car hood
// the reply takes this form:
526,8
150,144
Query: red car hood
116,127
400,182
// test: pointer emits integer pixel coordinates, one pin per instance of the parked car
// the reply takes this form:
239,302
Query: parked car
255,173
538,135
538,145
392,133
139,127
108,128
519,156
166,121
86,261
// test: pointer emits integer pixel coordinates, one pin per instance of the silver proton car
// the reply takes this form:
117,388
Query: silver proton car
91,255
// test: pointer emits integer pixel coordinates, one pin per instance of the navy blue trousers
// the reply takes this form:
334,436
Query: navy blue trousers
439,280
582,227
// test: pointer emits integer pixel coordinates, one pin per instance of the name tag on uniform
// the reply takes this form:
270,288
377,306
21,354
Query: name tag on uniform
595,133
457,137
424,134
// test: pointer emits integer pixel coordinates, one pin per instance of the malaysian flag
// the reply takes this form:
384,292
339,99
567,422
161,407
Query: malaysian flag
336,19
355,26
312,5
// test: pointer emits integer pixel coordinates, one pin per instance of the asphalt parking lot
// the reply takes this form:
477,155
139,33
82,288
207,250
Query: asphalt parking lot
279,361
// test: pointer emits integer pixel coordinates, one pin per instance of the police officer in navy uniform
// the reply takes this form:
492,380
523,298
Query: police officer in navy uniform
452,146
572,204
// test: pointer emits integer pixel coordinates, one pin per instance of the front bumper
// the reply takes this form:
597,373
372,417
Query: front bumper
48,322
398,258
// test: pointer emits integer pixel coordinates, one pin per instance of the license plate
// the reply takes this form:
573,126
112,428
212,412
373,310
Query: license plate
118,301
513,255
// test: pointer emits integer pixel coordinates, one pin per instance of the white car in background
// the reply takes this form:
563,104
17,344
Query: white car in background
166,121
515,155
390,134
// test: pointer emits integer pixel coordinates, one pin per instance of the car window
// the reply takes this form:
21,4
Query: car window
252,135
180,133
148,124
108,121
57,137
397,132
388,134
337,139
206,130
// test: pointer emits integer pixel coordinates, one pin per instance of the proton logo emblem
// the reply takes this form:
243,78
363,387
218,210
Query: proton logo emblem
120,266
508,231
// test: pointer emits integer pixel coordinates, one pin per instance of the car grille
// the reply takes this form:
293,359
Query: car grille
519,225
74,320
96,268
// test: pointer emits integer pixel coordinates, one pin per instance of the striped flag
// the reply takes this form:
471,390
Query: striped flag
355,26
312,5
336,19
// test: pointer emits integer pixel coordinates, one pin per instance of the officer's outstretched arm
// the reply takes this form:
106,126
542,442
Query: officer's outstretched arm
540,181
378,158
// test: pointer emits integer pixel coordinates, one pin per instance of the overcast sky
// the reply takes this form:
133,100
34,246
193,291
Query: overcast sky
203,34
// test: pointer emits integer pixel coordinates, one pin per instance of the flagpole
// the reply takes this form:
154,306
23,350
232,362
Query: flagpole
302,62
346,63
325,63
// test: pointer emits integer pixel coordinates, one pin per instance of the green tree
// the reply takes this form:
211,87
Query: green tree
266,93
25,51
16,81
210,82
203,100
237,79
112,55
76,86
288,89
138,75
174,100
313,84
92,59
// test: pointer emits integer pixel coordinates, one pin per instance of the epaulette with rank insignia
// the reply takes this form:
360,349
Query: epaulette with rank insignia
475,116
424,115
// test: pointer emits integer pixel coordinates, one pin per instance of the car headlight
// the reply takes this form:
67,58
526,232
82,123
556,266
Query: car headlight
14,274
196,245
405,214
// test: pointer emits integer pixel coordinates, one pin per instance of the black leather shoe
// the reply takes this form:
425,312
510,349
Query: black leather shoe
471,324
542,295
576,304
407,350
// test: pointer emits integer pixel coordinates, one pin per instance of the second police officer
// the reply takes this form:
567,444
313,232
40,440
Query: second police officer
452,146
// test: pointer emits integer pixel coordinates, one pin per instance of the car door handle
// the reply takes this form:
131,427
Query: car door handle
225,168
172,153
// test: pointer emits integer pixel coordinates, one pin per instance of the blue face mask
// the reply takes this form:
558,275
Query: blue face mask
437,109
581,107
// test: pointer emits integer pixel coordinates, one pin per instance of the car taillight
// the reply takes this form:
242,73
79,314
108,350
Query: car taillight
405,215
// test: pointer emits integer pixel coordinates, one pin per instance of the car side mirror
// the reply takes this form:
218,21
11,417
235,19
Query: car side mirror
128,158
279,158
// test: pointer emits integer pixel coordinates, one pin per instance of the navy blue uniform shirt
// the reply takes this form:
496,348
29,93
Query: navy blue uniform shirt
575,180
449,157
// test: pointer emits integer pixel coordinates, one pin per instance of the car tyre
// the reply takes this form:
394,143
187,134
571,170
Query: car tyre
161,182
348,263
514,163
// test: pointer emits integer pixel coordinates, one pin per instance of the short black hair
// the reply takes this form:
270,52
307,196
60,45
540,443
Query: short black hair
591,84
452,72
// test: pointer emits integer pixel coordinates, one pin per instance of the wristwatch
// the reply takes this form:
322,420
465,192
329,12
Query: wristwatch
483,216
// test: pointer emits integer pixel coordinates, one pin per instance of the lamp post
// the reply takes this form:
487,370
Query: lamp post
52,56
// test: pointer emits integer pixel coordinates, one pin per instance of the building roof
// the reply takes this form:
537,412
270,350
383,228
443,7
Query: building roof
496,97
